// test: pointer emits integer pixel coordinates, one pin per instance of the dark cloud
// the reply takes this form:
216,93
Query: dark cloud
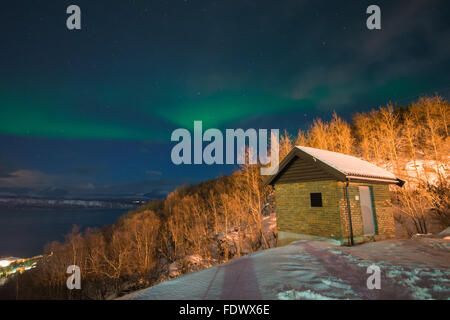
87,170
7,167
153,172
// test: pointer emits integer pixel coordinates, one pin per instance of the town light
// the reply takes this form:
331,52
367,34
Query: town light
4,263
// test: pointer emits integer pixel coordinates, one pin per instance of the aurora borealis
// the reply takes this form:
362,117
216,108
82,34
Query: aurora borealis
92,110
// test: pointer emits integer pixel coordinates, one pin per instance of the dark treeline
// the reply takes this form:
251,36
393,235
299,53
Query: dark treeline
223,218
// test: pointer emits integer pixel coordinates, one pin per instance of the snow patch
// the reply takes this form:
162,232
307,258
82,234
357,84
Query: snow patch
299,295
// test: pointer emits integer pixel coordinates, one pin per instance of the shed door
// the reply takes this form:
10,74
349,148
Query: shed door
366,210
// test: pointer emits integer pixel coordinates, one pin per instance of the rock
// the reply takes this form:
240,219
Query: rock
193,260
174,270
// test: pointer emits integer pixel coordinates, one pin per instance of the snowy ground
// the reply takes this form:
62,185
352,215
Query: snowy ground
410,269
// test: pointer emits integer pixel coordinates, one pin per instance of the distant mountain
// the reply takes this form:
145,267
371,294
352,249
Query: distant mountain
156,194
53,192
20,202
140,190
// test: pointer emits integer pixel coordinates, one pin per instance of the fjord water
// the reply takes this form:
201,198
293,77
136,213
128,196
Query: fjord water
24,232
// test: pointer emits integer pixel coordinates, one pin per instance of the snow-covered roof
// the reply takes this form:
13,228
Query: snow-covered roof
349,165
345,166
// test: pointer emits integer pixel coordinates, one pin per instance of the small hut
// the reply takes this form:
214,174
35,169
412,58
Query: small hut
324,194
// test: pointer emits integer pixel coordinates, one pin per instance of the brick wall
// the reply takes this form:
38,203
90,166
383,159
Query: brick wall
296,216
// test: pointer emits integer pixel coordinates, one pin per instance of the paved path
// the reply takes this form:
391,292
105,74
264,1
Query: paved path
410,269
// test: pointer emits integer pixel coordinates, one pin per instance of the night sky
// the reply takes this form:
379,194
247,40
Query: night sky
91,111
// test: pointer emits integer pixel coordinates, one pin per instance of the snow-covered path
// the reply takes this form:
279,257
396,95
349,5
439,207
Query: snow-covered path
410,269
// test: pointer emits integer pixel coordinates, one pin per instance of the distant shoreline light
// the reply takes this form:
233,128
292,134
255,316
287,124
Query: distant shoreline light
5,263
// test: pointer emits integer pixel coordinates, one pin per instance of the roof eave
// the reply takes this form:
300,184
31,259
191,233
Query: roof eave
396,181
270,179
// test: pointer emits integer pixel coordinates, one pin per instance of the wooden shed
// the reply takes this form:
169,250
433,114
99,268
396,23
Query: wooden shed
324,194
